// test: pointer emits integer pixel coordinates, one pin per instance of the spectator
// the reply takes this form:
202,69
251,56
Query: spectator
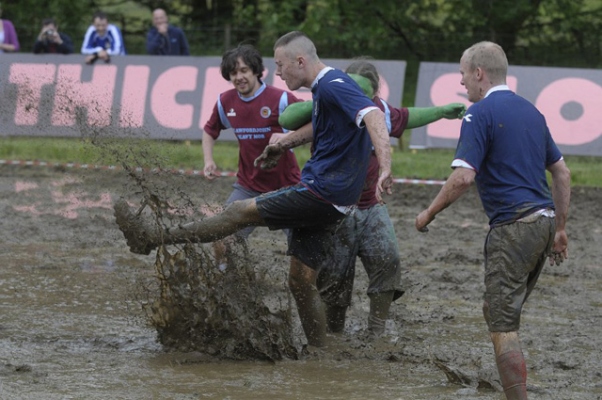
50,40
164,39
102,40
9,42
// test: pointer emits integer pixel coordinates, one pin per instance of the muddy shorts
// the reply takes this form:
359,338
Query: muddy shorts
242,193
368,234
312,221
514,257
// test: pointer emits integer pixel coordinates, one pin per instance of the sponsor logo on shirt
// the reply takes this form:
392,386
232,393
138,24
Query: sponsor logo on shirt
338,80
231,113
467,117
265,112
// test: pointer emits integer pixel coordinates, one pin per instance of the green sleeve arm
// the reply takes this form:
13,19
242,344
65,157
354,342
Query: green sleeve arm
419,116
296,115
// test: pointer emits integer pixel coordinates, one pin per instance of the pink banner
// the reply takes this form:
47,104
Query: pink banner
146,96
570,99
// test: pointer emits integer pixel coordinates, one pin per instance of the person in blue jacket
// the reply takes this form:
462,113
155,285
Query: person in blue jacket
164,39
102,40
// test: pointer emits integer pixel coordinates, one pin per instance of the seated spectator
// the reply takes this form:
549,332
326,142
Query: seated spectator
102,40
8,36
165,39
50,40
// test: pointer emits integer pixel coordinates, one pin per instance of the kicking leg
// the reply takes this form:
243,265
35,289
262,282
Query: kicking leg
143,235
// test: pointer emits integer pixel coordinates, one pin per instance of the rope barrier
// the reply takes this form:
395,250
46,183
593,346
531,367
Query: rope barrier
194,172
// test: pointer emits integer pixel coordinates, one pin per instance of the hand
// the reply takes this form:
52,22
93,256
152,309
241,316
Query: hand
270,156
162,29
210,171
55,37
422,220
104,55
384,185
560,251
453,111
91,58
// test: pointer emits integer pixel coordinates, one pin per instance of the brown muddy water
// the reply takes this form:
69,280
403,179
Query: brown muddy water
73,325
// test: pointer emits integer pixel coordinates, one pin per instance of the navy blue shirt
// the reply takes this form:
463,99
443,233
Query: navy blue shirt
338,166
507,142
175,44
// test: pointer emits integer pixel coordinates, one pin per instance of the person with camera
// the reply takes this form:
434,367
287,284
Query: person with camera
51,41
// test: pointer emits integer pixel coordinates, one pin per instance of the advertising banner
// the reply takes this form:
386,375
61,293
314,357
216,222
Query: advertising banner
159,97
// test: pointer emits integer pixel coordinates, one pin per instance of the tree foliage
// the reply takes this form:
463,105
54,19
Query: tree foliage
534,32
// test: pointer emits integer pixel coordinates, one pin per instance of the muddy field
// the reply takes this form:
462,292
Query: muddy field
73,325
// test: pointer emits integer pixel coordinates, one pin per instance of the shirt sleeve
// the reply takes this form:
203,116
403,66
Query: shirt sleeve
474,139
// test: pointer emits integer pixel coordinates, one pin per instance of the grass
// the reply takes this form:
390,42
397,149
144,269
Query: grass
415,164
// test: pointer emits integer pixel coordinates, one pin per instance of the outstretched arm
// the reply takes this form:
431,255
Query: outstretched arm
419,116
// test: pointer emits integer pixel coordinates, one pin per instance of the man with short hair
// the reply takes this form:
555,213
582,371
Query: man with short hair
505,147
165,39
102,40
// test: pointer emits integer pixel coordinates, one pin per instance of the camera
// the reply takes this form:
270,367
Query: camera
49,32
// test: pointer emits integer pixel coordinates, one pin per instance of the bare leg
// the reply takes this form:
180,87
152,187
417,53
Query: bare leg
236,216
302,282
511,364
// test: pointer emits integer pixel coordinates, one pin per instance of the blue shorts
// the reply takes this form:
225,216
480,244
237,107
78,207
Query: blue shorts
313,222
242,193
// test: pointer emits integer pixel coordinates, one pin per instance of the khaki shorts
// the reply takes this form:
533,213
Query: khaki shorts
514,257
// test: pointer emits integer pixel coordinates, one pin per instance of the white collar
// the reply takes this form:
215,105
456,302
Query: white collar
497,89
320,75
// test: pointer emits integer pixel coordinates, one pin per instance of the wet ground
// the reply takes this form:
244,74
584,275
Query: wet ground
73,326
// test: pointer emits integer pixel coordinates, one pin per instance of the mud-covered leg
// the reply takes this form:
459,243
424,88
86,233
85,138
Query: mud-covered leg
302,283
511,364
380,303
143,234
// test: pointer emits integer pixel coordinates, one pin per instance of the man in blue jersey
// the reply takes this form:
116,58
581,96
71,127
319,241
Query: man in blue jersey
331,181
368,233
164,39
102,40
505,147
